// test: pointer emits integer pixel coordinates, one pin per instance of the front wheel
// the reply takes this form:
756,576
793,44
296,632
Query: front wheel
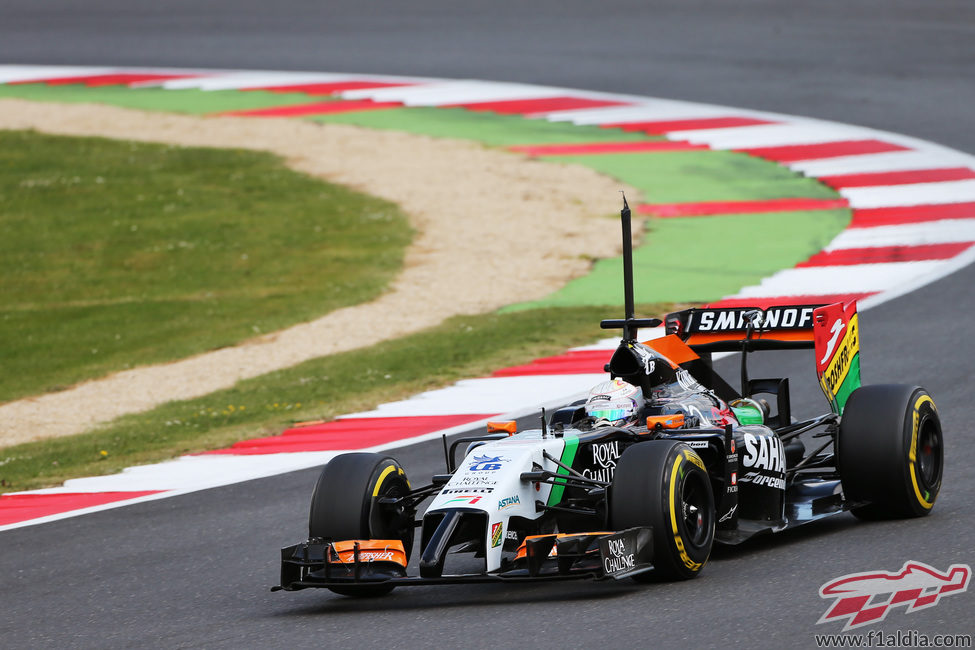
891,451
663,484
345,506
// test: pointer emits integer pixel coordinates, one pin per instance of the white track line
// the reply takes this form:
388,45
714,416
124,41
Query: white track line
893,161
768,135
486,395
644,112
12,73
946,231
197,472
892,196
235,80
654,109
855,278
454,92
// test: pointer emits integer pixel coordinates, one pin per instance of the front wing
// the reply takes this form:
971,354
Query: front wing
595,555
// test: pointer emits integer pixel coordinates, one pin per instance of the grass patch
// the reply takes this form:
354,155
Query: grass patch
117,254
464,346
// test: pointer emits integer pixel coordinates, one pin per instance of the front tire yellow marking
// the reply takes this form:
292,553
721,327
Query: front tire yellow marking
685,558
692,456
912,454
382,477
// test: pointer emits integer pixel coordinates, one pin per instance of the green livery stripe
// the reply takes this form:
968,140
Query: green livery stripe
850,384
568,456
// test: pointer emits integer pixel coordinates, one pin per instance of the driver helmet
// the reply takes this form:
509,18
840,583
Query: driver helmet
614,403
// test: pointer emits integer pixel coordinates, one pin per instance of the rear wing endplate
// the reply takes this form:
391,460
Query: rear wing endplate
837,335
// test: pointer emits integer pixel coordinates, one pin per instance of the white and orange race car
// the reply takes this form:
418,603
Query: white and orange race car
580,497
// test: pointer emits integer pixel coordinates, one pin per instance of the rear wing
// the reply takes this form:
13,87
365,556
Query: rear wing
727,329
832,331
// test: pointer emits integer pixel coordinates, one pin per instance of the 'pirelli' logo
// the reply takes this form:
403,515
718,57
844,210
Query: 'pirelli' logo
839,366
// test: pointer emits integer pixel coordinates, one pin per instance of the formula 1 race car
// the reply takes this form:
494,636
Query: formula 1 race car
588,495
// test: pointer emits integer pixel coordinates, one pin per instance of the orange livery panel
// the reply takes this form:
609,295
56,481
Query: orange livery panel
369,550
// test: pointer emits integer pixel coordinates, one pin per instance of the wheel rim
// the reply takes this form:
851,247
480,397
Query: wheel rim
695,512
929,455
392,488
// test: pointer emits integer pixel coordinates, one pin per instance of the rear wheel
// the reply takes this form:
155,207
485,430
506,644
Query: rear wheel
891,451
345,506
663,484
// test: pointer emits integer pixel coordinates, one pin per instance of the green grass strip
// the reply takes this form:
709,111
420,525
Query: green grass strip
702,259
118,254
191,101
693,176
490,129
358,380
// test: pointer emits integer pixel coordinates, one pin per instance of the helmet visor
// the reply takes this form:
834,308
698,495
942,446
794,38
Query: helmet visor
609,414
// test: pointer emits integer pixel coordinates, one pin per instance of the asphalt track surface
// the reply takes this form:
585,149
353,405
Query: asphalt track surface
193,571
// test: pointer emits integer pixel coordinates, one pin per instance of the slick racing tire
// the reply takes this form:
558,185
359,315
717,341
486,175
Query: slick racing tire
890,451
344,506
663,484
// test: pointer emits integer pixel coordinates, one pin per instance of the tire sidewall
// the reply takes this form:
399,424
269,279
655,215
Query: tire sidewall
648,488
342,505
686,468
879,442
920,414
